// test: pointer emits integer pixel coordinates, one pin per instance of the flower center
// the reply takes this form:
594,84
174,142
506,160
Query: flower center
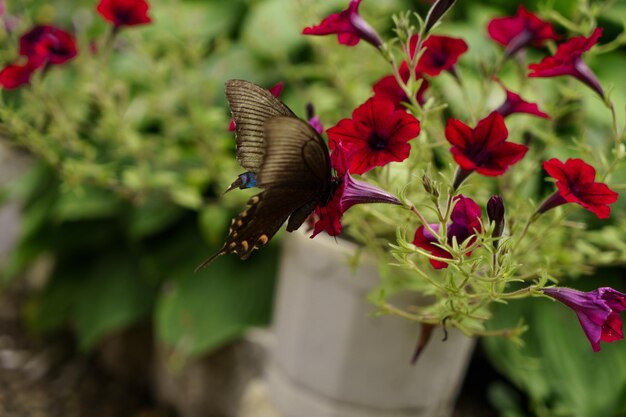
477,153
440,59
376,142
123,14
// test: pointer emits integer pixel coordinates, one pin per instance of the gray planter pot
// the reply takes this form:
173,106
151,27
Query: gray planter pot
332,357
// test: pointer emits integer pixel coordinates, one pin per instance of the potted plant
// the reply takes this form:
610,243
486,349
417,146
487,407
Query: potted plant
471,220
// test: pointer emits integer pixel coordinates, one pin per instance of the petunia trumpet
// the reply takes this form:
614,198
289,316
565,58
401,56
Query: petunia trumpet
598,312
349,27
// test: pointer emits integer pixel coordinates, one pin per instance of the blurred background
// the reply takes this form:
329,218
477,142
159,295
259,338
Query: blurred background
112,170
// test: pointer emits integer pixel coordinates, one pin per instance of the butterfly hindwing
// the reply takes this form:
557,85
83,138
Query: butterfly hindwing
258,223
251,107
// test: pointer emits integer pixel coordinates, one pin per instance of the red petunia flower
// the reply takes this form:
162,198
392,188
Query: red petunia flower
387,88
349,27
483,149
516,104
518,31
567,61
349,193
441,54
377,134
598,312
15,75
275,90
575,181
46,44
124,12
465,224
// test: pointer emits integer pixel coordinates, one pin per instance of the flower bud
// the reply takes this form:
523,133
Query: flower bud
495,212
436,12
429,186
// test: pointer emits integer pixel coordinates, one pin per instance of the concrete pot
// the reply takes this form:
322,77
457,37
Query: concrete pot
332,358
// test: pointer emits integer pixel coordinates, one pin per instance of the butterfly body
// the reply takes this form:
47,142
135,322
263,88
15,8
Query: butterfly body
289,161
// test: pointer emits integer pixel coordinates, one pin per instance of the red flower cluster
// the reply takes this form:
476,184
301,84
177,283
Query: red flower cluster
348,25
377,134
41,46
483,149
521,30
441,54
465,224
124,12
567,61
575,181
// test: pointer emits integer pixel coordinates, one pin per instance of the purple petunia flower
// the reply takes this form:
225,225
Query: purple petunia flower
598,312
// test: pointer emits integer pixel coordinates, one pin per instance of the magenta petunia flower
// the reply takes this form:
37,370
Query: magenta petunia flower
598,312
349,27
483,149
276,89
441,54
46,44
521,30
465,224
575,181
349,193
124,12
568,61
377,134
387,87
513,103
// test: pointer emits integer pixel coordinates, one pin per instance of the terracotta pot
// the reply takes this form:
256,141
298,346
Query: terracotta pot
332,357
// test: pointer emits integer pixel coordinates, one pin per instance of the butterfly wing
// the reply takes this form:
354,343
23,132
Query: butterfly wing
258,223
296,157
252,106
295,173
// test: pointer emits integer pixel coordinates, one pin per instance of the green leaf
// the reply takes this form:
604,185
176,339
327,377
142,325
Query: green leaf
152,217
111,296
96,295
198,312
86,203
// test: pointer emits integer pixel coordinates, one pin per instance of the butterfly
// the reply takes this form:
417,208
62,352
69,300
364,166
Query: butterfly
286,157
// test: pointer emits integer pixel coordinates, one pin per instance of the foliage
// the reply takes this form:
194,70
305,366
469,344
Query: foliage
133,154
134,149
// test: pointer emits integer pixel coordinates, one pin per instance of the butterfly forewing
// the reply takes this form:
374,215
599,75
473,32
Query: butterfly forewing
296,157
251,107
